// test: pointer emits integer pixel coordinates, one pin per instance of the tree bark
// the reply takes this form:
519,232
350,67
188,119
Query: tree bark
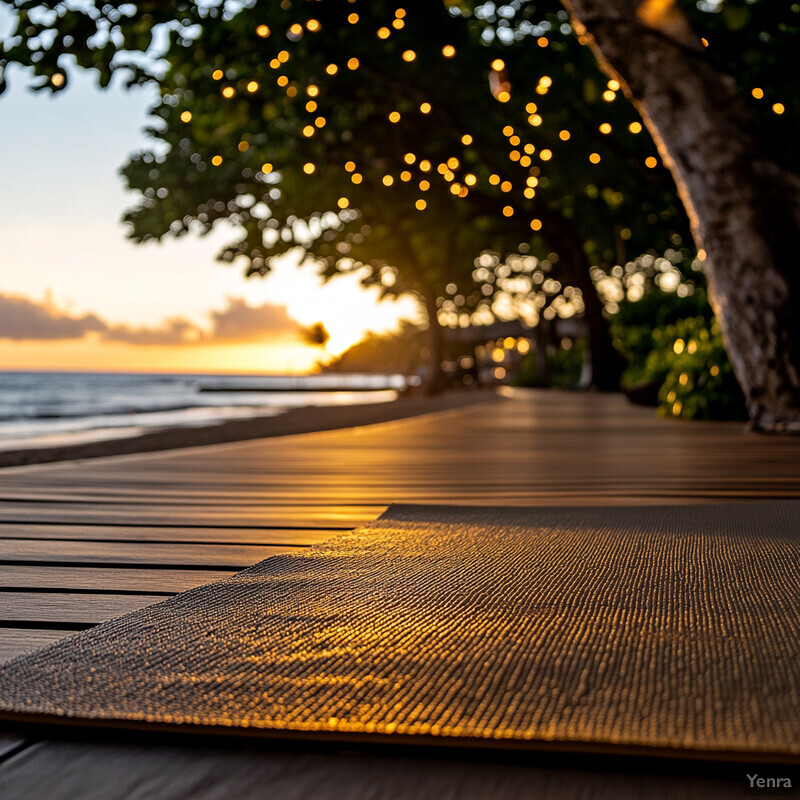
743,207
434,382
607,363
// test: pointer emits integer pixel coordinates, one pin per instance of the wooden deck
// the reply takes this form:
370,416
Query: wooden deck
81,542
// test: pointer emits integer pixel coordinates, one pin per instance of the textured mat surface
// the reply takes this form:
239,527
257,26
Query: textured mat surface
640,629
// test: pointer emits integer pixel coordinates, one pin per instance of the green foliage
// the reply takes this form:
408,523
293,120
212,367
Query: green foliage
698,380
563,368
400,352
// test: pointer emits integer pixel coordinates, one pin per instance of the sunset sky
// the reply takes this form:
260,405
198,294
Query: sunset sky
76,295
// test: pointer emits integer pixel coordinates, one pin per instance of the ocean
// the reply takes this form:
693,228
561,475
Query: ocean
46,409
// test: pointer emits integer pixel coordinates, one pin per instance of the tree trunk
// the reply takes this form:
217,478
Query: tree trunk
434,381
607,363
743,207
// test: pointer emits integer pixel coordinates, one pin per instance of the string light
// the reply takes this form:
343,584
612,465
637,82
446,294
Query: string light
57,80
564,135
546,155
266,168
216,160
311,106
605,128
424,186
352,18
398,24
757,93
243,146
356,177
388,180
778,108
498,65
353,63
635,127
343,202
309,168
536,224
595,158
466,139
409,158
384,33
425,165
650,162
613,85
217,74
508,211
448,51
425,108
350,166
228,92
331,69
252,86
263,31
186,116
409,55
420,205
394,117
313,25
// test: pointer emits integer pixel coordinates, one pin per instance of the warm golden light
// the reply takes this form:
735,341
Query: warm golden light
252,86
564,135
409,55
405,176
243,146
757,93
384,33
508,211
424,186
282,81
263,31
470,179
312,90
356,177
605,128
353,63
343,202
453,162
506,186
542,41
466,139
425,108
283,56
635,127
311,106
388,180
308,130
448,51
595,158
267,168
651,162
409,158
498,65
536,224
217,74
309,168
216,160
331,69
494,179
394,116
535,120
186,116
609,96
313,25
352,18
778,108
546,155
228,92
425,165
398,24
503,97
421,205
58,80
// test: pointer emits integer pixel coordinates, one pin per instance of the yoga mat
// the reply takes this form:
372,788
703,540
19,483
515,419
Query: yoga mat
668,630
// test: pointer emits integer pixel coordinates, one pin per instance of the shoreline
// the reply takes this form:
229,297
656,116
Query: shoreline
307,419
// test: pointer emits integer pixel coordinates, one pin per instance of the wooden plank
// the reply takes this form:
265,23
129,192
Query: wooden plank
189,515
62,607
58,770
226,557
106,579
134,533
16,641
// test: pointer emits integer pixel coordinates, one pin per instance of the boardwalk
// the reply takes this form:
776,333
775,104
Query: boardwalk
81,542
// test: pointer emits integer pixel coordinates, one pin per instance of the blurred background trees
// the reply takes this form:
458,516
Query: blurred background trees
471,154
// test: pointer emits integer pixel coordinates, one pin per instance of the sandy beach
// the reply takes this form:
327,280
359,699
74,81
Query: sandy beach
299,420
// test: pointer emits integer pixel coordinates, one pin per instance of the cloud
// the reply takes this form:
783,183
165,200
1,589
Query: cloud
22,319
